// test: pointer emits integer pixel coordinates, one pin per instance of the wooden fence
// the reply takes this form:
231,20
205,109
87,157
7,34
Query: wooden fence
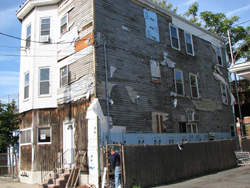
151,165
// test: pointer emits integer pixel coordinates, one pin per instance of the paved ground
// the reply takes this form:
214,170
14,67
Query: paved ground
233,178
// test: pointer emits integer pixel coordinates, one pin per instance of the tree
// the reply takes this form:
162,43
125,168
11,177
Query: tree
9,121
164,4
192,13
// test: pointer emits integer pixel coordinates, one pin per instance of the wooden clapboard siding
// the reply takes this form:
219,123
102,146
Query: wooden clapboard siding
130,52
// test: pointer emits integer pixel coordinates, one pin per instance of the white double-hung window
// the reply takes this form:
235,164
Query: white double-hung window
44,81
45,26
26,85
64,24
194,85
64,76
179,84
174,37
224,93
28,36
219,57
189,43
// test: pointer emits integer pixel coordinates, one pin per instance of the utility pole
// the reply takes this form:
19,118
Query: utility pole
236,86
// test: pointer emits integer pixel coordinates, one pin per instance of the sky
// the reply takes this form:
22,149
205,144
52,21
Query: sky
10,25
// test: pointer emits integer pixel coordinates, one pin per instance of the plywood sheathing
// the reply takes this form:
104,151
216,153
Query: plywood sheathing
84,42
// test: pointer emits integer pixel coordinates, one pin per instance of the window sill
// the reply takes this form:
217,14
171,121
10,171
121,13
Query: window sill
27,144
25,100
41,143
179,49
44,96
190,54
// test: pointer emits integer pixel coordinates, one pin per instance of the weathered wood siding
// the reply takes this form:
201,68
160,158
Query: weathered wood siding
153,165
130,52
26,157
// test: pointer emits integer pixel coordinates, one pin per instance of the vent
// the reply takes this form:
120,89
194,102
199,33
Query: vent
193,117
44,38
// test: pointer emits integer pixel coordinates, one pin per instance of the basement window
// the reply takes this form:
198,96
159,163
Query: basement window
44,135
25,137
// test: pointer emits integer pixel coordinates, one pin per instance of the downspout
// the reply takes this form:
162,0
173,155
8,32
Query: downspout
106,85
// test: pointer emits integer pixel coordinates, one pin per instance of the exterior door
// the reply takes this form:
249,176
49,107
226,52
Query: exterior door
68,144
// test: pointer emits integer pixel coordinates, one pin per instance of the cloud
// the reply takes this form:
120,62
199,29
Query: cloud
9,78
189,2
8,19
238,10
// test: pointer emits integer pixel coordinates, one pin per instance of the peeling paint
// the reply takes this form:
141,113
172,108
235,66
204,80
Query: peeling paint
207,105
102,89
172,93
132,94
112,70
175,103
167,61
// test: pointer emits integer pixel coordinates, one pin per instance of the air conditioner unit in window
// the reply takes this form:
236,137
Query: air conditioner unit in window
193,117
44,38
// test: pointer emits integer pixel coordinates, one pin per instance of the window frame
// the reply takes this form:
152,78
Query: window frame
31,136
44,24
220,55
39,92
50,131
224,91
61,77
26,85
28,37
178,38
191,126
192,44
181,83
66,23
197,85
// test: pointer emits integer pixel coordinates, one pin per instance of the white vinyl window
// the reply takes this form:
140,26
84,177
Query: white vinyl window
44,135
25,137
189,43
28,36
179,84
45,27
64,24
194,85
174,37
44,81
219,57
26,85
192,128
224,93
64,76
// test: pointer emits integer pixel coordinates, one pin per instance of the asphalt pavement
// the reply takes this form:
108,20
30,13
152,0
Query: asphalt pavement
233,178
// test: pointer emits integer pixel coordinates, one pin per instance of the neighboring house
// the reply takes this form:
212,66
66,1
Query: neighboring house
146,68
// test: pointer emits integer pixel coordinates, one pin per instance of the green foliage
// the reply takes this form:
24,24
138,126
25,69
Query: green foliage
9,121
164,4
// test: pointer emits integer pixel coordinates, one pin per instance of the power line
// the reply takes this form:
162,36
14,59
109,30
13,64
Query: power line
39,41
242,23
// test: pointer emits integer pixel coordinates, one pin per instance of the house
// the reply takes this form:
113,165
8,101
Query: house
124,70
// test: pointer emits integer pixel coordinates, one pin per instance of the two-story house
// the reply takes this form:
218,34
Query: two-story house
139,70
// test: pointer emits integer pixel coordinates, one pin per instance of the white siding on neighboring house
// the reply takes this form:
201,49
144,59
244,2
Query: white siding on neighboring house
39,55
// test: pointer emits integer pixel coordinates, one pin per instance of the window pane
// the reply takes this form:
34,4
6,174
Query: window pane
44,74
64,80
45,33
28,136
192,80
64,71
218,52
22,137
64,20
28,31
44,134
44,88
194,129
27,79
28,42
47,20
219,60
194,92
178,76
188,38
175,43
179,88
173,31
63,28
45,26
189,48
189,128
26,92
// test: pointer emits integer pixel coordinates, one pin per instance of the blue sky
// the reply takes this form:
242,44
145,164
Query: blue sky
9,24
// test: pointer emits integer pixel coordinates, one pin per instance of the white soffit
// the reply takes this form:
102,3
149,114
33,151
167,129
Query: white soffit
242,70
